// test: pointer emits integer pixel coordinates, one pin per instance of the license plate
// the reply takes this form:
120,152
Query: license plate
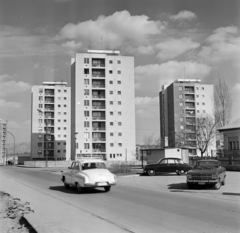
102,184
201,183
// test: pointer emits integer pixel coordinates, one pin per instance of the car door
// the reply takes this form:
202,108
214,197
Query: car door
75,170
171,165
68,174
162,166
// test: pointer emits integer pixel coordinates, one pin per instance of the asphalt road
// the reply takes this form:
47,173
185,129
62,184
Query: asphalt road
136,204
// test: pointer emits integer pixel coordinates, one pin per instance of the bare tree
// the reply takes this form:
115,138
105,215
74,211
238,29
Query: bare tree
205,132
151,140
222,103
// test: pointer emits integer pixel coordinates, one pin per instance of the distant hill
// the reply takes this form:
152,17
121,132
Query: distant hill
20,148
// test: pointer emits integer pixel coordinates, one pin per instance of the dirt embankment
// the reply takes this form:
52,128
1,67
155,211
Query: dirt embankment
12,211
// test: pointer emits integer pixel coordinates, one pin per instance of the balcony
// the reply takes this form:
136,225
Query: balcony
189,89
99,118
49,93
99,139
98,62
48,109
98,106
98,128
98,73
98,86
99,150
48,116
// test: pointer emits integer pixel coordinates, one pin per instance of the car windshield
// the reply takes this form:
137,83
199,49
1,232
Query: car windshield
206,164
93,165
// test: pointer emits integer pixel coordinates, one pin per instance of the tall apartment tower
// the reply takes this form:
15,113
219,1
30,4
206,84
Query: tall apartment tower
3,131
180,103
51,121
103,105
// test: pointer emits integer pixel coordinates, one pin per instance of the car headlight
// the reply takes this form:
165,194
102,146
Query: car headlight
189,176
214,176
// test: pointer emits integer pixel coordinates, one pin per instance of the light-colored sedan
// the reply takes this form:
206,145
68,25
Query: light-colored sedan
90,173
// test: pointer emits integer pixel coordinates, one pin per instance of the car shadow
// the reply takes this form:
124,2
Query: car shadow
180,187
231,194
73,190
160,174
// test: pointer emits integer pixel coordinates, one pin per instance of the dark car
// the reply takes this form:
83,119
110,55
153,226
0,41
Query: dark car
167,165
207,172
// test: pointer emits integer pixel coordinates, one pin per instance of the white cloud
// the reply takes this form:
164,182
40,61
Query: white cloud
175,47
150,78
184,15
7,105
117,30
8,86
224,44
147,106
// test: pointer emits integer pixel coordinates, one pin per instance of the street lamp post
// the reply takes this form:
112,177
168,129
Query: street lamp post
14,145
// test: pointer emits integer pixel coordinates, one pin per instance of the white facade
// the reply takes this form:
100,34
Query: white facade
103,105
51,121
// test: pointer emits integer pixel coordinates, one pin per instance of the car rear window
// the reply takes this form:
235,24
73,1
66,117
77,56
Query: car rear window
94,165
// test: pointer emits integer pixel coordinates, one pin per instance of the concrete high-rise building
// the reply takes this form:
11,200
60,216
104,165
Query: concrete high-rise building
103,105
180,103
51,121
3,131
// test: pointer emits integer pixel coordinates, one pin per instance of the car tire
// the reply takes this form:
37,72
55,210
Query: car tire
151,172
107,188
217,185
66,186
181,172
79,188
190,186
224,180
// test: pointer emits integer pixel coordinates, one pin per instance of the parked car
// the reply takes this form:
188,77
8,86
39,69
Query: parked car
207,172
89,173
167,165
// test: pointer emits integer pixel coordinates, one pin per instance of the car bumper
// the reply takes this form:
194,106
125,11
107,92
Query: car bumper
202,181
99,184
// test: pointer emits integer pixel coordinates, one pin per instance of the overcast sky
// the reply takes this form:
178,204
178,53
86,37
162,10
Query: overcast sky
166,37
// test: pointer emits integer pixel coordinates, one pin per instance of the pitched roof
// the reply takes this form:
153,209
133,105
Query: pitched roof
233,125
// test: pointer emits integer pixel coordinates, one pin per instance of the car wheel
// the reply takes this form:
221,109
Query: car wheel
107,188
190,186
66,186
79,188
217,185
224,181
151,172
181,172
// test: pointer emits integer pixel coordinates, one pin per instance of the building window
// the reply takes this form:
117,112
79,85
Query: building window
110,155
40,105
65,90
119,123
59,120
86,81
59,98
64,105
119,103
119,82
64,120
86,71
197,96
180,88
40,136
119,93
41,90
59,113
86,102
86,135
86,60
180,96
64,128
40,98
111,123
64,143
40,121
39,152
111,102
181,119
111,134
203,96
181,104
59,128
40,144
181,127
203,103
86,124
86,113
59,135
202,88
64,151
65,135
86,146
65,98
111,144
203,111
59,90
197,103
110,61
59,106
59,143
110,92
120,134
119,113
110,82
119,62
111,113
65,113
197,88
119,72
86,92
59,151
110,71
120,144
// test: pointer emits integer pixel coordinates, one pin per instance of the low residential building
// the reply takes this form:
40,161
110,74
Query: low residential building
3,150
231,141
